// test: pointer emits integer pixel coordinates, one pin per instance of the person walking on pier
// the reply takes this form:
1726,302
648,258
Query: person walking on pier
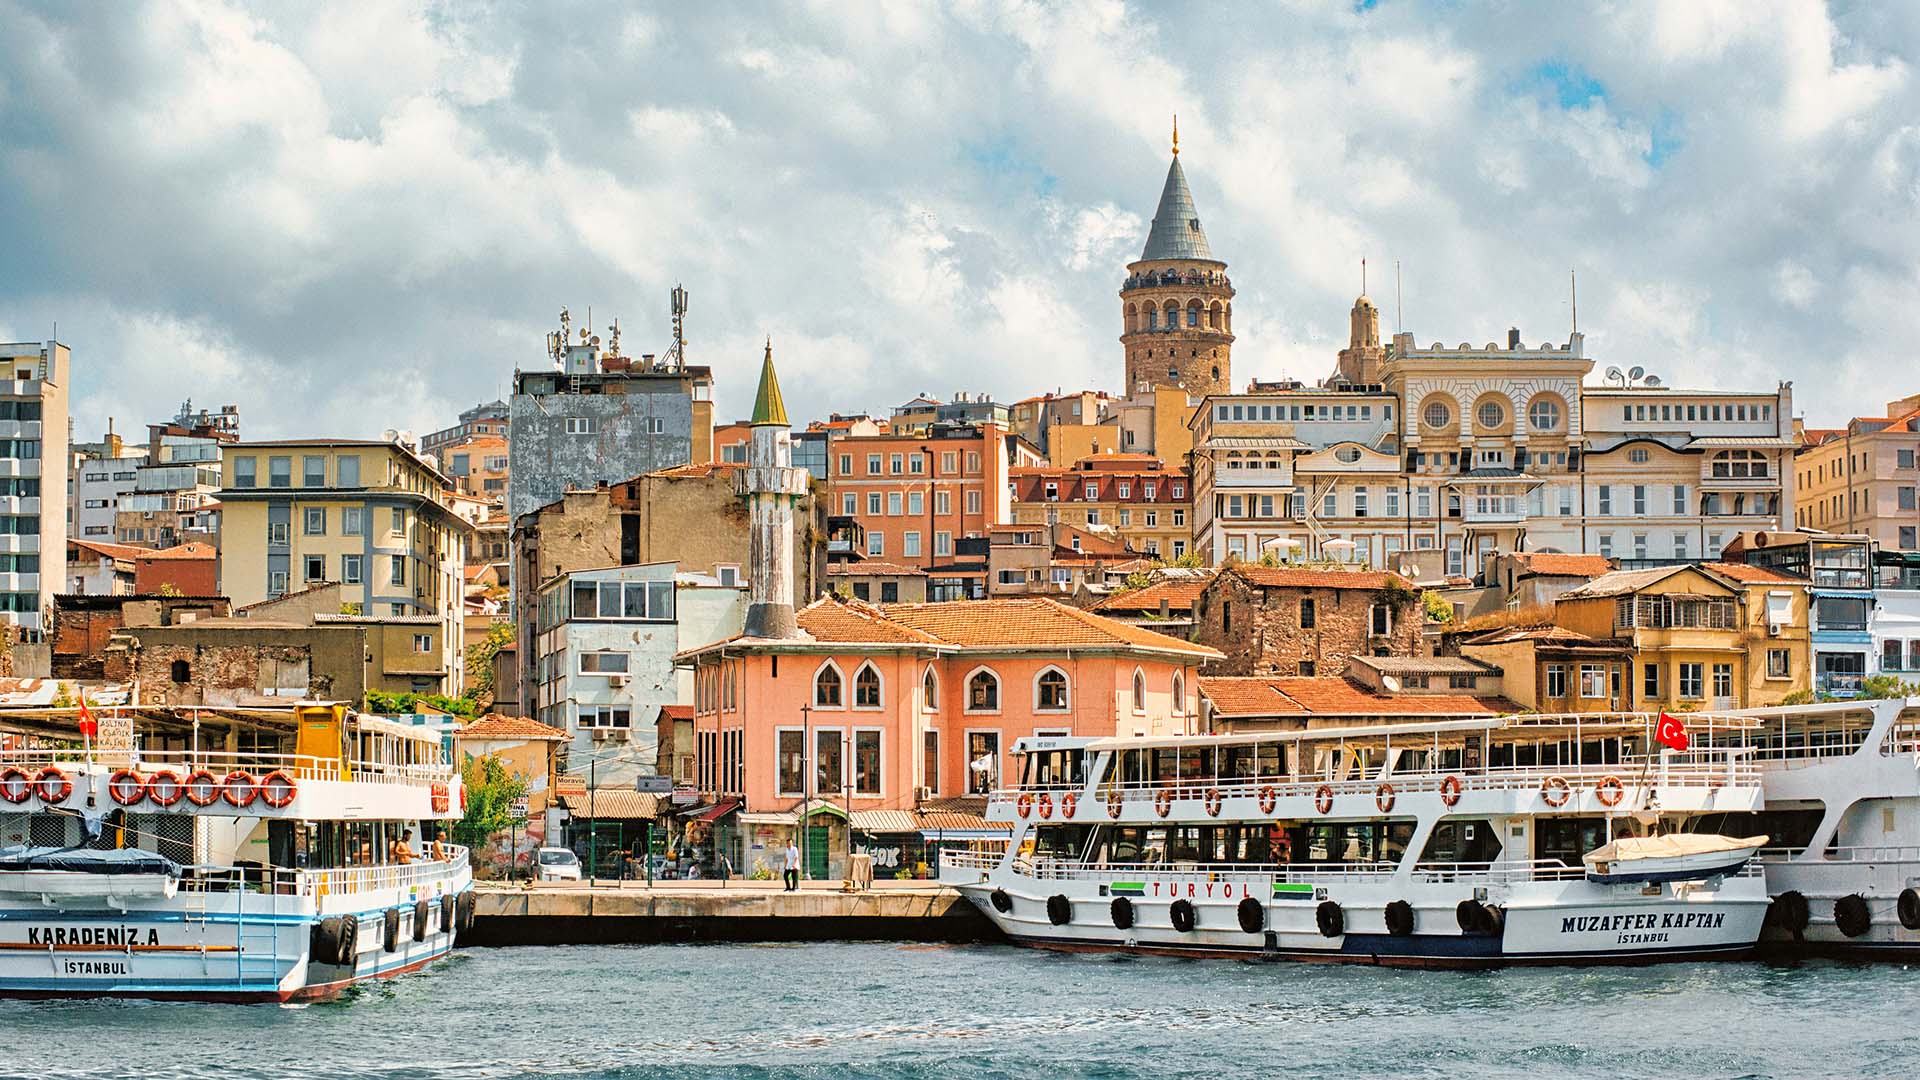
793,866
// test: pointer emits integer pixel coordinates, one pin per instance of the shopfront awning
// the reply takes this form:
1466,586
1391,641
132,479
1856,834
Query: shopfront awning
824,808
711,813
773,817
885,821
613,803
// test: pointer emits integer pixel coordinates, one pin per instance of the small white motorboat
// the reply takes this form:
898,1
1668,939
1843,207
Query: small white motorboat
1674,857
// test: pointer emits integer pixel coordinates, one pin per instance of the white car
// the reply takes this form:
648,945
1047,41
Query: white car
556,864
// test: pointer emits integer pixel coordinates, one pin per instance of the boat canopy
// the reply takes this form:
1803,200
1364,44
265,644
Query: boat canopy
87,861
1672,846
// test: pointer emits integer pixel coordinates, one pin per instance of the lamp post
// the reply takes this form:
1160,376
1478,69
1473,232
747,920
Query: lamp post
806,778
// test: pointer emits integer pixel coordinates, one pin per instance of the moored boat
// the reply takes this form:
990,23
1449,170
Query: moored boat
1673,857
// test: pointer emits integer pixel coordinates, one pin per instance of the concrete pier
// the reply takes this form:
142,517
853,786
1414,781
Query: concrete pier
631,912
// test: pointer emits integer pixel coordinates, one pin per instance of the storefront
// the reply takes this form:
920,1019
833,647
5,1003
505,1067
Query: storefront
706,844
906,844
611,828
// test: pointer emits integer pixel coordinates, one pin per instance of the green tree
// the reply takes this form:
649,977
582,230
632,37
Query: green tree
1438,609
480,660
382,701
1887,686
491,791
168,588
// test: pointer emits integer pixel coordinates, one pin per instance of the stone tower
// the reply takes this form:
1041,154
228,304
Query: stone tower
771,486
1177,303
1363,360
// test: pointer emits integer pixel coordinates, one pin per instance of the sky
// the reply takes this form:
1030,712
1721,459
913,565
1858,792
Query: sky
351,217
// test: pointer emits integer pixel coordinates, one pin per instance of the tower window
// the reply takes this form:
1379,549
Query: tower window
1216,371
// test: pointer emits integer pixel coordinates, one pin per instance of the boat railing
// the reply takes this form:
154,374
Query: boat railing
1309,873
220,763
1887,853
322,882
964,859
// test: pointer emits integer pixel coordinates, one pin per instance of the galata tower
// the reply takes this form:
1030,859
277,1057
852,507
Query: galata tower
1177,303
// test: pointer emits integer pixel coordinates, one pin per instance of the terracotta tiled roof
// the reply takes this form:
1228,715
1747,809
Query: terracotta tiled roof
677,712
1030,622
194,550
498,726
1557,564
1287,577
834,619
697,471
1179,596
1331,695
1748,574
112,551
872,567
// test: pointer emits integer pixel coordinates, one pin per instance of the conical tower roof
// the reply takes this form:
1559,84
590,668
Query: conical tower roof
768,408
1176,232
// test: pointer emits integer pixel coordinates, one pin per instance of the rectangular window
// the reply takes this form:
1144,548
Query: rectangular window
656,425
423,643
983,762
1680,545
910,544
582,425
893,504
276,532
895,464
279,472
830,767
351,568
873,465
916,502
1640,499
244,475
948,461
1329,505
1650,681
1606,498
314,568
849,503
930,761
1423,502
399,574
973,501
866,762
1779,663
1360,502
398,526
313,520
846,464
790,764
313,471
1382,620
1723,680
943,503
943,543
874,503
353,521
1307,613
277,583
876,543
1593,681
1692,680
1393,502
1556,681
603,663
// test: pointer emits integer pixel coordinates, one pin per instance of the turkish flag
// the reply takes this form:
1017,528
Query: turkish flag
1671,733
88,727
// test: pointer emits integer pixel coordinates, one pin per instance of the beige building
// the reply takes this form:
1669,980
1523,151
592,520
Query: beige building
1146,505
372,516
1863,478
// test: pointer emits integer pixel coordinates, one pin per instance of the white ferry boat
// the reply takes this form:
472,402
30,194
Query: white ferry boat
243,854
1456,843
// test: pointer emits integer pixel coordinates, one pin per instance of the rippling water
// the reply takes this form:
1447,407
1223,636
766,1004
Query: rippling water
874,1010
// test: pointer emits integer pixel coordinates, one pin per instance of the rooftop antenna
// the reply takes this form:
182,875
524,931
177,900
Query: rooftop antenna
1363,275
613,338
1573,294
1397,322
677,353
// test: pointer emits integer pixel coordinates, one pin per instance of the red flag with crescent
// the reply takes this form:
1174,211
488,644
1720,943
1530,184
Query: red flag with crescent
1671,733
88,727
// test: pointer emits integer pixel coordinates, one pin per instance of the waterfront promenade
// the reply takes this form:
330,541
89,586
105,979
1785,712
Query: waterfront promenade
636,912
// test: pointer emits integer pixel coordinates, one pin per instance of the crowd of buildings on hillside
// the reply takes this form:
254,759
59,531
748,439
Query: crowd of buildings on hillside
618,578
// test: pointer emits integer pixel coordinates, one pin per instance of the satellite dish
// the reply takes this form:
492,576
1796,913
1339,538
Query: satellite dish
1614,375
1635,372
1653,380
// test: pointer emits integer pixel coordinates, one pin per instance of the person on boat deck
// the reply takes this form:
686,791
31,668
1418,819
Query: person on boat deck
402,851
436,850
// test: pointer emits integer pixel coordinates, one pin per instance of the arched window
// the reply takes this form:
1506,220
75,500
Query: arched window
1139,691
182,673
1436,414
1173,315
983,691
1179,694
1739,465
930,690
866,687
1193,313
1543,414
1153,317
1133,317
1050,691
827,688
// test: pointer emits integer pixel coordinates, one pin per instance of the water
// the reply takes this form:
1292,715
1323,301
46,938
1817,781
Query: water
990,1011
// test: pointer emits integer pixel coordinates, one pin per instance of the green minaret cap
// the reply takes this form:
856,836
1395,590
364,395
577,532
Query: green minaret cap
767,406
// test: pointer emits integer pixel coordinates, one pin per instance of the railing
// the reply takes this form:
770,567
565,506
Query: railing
966,859
343,879
1857,854
219,763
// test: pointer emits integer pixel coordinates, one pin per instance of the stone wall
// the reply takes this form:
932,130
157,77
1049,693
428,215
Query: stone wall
1258,628
237,665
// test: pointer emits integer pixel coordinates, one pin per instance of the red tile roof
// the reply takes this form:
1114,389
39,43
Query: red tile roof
834,619
111,551
193,550
1331,695
1557,564
872,567
1287,577
1014,623
498,726
1179,595
677,712
1747,573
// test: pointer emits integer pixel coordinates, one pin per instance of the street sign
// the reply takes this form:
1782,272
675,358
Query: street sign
519,807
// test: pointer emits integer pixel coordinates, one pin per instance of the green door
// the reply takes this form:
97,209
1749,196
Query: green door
817,852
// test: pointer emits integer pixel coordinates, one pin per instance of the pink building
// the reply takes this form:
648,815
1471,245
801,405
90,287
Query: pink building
867,710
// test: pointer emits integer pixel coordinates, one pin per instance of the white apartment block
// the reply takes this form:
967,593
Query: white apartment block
34,378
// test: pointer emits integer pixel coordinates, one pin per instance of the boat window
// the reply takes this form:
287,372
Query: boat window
1568,839
1247,844
1348,842
1055,768
1782,828
1461,841
1061,841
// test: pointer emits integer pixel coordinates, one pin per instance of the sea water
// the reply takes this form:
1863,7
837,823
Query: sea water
987,1011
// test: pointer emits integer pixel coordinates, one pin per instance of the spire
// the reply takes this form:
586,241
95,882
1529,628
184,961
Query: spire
1176,232
1176,134
768,408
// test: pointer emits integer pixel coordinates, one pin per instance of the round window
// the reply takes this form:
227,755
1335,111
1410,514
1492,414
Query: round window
1491,414
1347,454
1544,415
1437,414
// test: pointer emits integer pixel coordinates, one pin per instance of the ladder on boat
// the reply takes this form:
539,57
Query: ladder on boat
257,939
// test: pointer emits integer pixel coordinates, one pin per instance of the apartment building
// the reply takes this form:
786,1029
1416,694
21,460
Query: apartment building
174,499
102,474
1146,505
913,497
478,466
1864,478
34,459
486,418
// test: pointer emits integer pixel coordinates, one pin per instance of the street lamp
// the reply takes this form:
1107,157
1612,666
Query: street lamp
807,779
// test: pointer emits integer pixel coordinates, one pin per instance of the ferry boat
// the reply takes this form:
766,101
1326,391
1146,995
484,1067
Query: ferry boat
1455,843
223,854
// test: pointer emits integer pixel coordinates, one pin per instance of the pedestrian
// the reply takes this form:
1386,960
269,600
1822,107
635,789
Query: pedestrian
793,866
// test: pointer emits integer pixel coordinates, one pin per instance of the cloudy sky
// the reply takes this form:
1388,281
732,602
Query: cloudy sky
350,217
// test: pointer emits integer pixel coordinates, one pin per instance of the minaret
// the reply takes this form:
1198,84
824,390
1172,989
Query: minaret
771,486
1177,303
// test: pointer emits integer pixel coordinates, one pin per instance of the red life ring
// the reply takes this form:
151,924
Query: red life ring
1383,797
277,790
1555,791
1045,804
1269,798
463,798
440,798
164,788
1068,804
126,787
1323,799
52,785
1610,791
1163,801
1024,804
240,788
1113,803
202,788
1450,790
1211,800
15,786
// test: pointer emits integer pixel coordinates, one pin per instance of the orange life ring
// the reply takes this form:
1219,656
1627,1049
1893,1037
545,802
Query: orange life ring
1163,802
1113,803
15,786
1211,800
1450,790
1383,797
1024,804
240,788
1610,791
1323,799
1068,804
1269,798
52,785
126,787
1555,791
202,788
164,788
277,790
463,798
1045,805
440,798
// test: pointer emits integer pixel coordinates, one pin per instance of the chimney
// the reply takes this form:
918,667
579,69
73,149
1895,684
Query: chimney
1513,337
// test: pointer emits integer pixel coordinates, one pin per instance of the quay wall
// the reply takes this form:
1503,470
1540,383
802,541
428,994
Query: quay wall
672,915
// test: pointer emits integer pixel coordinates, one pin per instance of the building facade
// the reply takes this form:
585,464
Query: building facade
1146,505
915,496
174,499
1864,478
34,464
1176,304
1297,622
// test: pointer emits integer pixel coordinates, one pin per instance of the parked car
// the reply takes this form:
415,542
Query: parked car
556,864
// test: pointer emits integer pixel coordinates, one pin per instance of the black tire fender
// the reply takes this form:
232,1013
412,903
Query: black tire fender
1330,918
1253,917
1183,916
1399,918
1122,910
1059,909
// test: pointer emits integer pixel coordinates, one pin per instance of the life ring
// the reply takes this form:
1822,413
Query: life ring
1851,915
1044,803
1163,801
1069,804
202,788
1399,915
1024,804
1450,790
164,787
1330,919
240,789
1211,801
126,787
1610,791
277,790
1122,911
1269,798
1253,917
1059,909
1555,791
1908,908
1383,797
1113,803
438,792
1182,915
52,785
1323,799
15,786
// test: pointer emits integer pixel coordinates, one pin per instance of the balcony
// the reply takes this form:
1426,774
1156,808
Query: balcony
1496,512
